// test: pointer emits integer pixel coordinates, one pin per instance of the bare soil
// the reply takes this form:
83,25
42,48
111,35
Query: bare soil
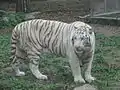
107,30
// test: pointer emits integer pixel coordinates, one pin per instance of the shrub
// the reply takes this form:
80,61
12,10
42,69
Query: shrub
11,19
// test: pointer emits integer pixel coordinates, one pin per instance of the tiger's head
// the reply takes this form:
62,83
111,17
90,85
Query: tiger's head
81,37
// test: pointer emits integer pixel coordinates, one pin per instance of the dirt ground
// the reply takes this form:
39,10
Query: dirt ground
107,30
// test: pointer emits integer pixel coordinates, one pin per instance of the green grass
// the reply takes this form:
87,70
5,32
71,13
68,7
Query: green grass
11,19
105,68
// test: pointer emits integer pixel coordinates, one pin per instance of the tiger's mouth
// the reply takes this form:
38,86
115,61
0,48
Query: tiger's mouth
82,49
79,50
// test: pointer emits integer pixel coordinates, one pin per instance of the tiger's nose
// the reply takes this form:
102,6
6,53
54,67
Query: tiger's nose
78,48
87,44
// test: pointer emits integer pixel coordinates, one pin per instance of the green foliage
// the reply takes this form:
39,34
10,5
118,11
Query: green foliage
58,70
106,55
11,19
2,13
4,49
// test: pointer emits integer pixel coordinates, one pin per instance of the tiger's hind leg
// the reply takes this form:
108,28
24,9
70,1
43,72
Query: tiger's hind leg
17,60
34,66
16,66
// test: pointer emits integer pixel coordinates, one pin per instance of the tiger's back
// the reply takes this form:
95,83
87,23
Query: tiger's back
39,36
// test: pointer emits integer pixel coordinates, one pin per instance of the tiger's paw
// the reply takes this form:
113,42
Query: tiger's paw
20,74
79,80
89,79
43,77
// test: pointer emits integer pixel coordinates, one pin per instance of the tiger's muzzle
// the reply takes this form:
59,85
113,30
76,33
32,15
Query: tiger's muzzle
87,42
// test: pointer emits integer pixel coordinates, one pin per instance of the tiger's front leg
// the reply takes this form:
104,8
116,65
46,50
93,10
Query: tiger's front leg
34,67
88,76
76,70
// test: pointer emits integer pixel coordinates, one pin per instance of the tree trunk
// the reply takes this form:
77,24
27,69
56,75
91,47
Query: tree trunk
27,5
22,5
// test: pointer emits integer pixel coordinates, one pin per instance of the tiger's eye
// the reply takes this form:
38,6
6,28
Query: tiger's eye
90,32
75,38
82,33
82,38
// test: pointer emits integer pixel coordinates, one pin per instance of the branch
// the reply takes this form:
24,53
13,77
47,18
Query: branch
83,17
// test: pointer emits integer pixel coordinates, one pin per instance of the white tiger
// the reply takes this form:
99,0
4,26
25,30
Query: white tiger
75,41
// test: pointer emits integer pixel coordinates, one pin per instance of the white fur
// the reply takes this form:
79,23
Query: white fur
68,49
75,63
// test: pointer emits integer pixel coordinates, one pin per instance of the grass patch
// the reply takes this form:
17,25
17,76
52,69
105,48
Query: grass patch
11,19
105,68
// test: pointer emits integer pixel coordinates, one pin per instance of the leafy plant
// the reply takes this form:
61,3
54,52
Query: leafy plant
11,19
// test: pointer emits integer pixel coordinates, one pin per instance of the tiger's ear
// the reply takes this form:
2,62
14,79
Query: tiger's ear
75,27
91,30
79,24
